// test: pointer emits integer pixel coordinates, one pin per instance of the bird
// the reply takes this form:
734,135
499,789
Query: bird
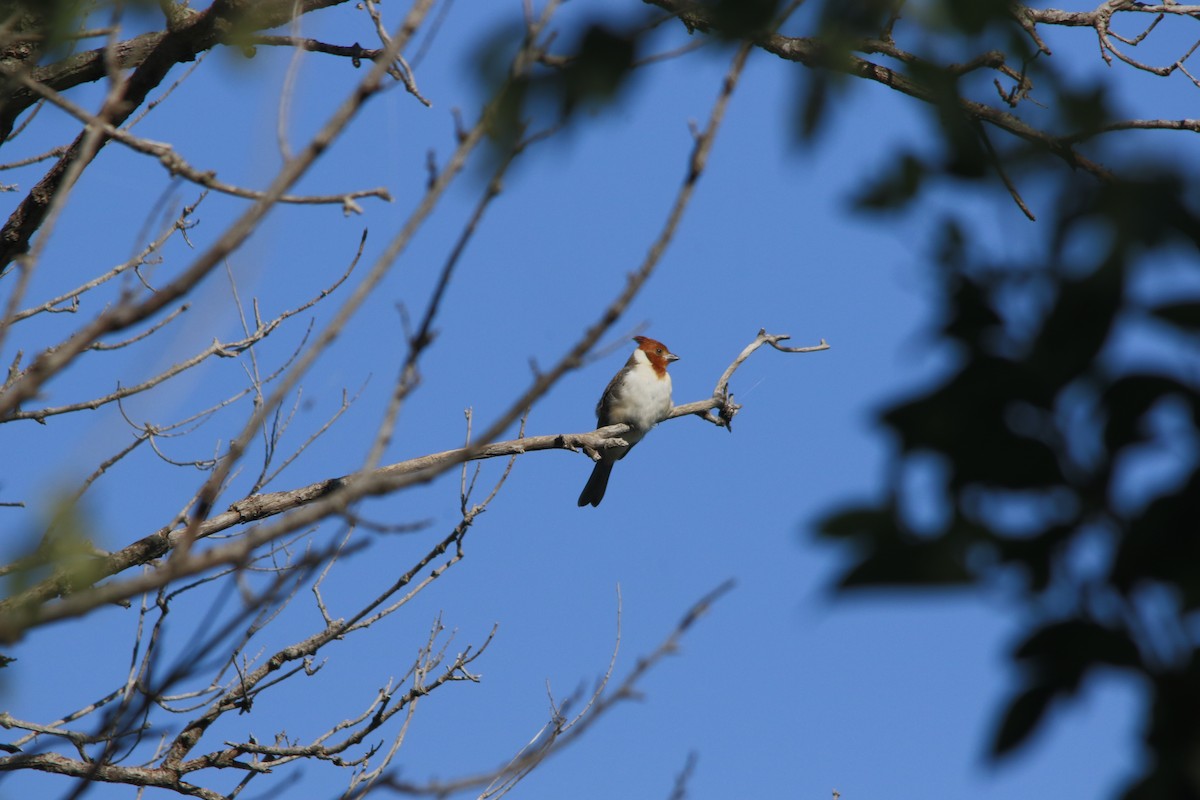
639,396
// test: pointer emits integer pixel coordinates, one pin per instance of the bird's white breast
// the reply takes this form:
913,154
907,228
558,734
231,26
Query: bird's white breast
644,398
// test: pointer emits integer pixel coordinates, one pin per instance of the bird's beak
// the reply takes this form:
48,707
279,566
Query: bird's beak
672,357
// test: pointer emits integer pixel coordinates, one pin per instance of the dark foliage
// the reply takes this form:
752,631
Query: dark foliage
1045,418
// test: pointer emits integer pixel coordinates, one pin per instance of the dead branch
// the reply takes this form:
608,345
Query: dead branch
177,165
560,732
127,313
229,349
320,499
813,52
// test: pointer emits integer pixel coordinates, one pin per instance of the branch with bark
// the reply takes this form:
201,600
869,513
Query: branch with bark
254,544
852,58
35,607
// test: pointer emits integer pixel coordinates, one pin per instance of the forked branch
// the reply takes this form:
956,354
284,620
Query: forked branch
375,482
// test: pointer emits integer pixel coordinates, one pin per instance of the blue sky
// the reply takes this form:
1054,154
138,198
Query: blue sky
782,691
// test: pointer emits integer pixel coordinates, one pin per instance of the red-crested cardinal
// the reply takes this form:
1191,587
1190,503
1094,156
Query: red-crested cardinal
639,396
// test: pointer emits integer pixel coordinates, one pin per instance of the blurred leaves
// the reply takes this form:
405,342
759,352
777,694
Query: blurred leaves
741,19
1128,399
50,25
595,73
1185,316
916,562
1056,659
1041,421
972,18
51,21
1040,407
64,549
893,555
1171,735
1162,545
842,20
1021,719
589,75
1078,325
895,188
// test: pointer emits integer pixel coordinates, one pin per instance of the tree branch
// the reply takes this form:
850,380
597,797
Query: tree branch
126,313
29,609
559,731
154,55
814,52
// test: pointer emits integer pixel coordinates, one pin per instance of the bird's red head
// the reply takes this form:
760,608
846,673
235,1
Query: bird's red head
656,352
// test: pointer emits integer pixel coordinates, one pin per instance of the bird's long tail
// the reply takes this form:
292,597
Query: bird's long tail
593,492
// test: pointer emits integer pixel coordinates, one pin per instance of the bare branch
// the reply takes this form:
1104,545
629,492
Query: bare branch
319,499
176,165
815,53
555,730
217,348
129,313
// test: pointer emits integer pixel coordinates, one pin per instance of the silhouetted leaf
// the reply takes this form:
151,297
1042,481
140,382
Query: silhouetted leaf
1160,782
1079,324
894,188
976,15
972,318
599,67
1034,556
812,108
1148,210
1063,652
742,19
1183,315
1024,714
1085,109
1171,733
1162,543
1126,402
943,417
855,20
918,562
858,522
966,419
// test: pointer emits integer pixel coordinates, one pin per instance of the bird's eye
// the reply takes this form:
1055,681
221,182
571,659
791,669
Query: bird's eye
659,351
